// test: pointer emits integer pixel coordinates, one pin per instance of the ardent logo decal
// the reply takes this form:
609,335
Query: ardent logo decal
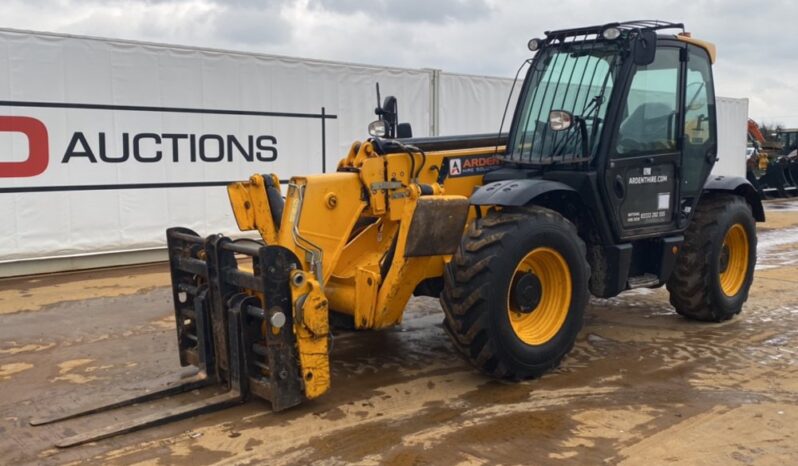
454,167
472,165
38,147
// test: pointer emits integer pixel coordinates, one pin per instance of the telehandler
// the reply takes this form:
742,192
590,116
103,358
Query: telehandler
601,185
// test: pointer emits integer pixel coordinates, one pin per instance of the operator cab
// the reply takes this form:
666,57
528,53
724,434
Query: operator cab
631,110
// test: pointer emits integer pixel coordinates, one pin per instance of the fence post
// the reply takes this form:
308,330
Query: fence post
434,101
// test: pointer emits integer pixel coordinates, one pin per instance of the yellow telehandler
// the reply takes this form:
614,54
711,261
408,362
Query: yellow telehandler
601,185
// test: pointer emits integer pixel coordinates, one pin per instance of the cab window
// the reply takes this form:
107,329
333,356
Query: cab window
651,108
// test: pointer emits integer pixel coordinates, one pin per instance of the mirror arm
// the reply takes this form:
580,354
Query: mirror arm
583,135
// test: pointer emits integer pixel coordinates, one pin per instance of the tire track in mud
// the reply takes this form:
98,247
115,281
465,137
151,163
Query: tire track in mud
645,369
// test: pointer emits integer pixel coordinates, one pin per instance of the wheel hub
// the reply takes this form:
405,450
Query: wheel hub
539,296
724,258
733,260
526,293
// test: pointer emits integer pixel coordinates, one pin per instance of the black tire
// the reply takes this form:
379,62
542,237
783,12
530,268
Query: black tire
695,284
477,283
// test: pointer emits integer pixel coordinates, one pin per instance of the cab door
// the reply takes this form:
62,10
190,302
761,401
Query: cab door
644,157
700,142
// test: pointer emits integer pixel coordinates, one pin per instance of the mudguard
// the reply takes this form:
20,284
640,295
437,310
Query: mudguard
740,186
517,192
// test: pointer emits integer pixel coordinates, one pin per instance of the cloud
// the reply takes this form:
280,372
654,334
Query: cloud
409,11
252,25
756,52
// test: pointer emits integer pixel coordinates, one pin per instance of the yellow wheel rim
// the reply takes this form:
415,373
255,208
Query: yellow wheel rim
734,260
542,323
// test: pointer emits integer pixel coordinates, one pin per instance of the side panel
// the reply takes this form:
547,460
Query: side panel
409,230
732,117
319,215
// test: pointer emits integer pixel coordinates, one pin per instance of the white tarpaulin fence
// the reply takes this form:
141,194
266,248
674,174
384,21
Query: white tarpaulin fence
104,143
474,104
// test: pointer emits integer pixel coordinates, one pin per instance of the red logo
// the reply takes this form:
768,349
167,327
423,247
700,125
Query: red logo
38,147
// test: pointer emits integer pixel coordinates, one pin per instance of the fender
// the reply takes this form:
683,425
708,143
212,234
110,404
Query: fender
739,186
517,192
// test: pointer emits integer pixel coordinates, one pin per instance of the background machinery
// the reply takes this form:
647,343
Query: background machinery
772,164
601,186
789,140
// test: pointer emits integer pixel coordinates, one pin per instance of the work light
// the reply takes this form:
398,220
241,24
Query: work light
378,129
611,33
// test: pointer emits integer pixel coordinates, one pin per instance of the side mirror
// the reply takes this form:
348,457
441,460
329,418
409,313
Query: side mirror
388,125
389,113
560,120
644,48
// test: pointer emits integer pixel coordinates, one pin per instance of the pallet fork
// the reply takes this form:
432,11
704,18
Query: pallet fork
223,329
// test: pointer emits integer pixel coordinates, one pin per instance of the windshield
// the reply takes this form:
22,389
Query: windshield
575,77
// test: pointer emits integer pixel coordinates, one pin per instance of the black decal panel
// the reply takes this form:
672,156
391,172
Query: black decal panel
649,196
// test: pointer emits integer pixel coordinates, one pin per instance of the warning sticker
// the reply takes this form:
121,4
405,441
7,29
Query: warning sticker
471,165
663,201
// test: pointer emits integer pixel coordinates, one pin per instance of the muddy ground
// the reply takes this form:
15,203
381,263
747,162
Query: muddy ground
642,385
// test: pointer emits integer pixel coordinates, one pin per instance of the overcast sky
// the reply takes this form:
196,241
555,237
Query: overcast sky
757,46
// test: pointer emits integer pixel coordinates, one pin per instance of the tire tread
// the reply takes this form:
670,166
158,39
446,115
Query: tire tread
690,284
468,275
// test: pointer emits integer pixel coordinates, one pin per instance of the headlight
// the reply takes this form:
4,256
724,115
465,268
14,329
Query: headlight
533,44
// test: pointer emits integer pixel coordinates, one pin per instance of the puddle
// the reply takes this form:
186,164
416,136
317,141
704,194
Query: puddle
782,206
772,250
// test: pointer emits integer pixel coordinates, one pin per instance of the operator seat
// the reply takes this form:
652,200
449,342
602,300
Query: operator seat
646,129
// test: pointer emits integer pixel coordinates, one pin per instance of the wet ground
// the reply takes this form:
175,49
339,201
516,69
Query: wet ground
642,385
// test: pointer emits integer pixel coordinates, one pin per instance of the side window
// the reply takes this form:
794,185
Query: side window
651,108
699,121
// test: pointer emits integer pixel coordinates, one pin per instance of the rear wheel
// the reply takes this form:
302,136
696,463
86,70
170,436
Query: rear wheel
515,292
715,267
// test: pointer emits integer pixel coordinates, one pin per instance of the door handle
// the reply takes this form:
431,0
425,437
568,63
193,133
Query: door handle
619,187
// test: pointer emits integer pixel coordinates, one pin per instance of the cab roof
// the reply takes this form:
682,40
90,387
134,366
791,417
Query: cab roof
593,32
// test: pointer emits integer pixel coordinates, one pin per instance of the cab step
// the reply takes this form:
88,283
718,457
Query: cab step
646,280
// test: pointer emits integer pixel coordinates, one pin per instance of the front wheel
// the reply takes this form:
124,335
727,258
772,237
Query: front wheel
515,292
715,268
